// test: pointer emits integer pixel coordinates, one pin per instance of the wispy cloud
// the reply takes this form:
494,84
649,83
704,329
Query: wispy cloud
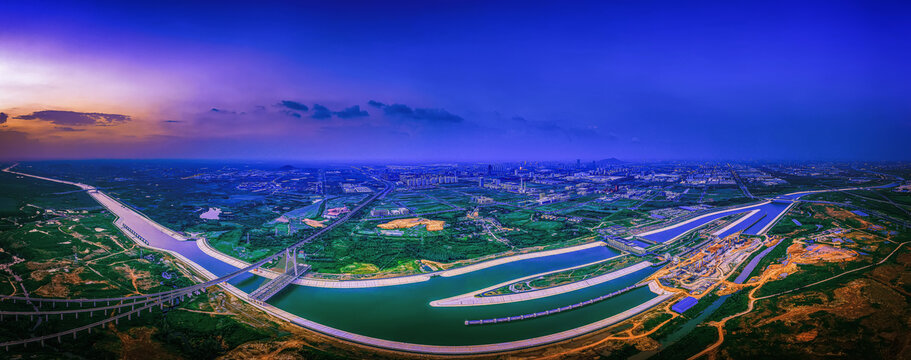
67,128
291,113
73,118
294,105
222,111
424,114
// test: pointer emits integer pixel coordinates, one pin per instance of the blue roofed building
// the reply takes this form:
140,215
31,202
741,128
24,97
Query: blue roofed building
683,305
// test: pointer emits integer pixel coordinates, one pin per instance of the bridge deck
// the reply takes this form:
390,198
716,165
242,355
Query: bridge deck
273,286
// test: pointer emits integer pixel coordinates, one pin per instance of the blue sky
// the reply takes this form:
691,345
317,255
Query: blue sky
456,80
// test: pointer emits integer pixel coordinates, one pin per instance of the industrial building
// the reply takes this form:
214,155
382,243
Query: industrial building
685,304
628,245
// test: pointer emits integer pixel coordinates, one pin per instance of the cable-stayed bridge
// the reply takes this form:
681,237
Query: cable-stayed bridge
114,308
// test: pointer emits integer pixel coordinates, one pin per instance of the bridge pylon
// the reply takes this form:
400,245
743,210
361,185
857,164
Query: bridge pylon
292,271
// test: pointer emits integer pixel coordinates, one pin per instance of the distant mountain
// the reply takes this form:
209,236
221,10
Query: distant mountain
286,168
611,161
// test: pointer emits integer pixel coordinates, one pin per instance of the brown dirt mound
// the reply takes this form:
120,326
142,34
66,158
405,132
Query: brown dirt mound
848,303
34,265
53,290
59,286
267,350
646,344
137,343
806,336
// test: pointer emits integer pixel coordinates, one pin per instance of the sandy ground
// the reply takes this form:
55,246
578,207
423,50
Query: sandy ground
432,225
314,223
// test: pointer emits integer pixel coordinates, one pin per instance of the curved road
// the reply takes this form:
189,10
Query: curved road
219,271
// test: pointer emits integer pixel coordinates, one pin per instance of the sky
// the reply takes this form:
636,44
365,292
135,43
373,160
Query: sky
456,80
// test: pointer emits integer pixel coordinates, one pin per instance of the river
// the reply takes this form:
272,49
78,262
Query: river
402,313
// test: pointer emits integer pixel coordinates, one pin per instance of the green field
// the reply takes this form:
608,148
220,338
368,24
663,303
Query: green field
70,248
564,277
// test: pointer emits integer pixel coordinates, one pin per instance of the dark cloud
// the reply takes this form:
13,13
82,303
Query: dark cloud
398,110
3,117
433,115
352,112
321,112
376,104
436,115
223,111
67,128
291,113
294,105
73,118
172,121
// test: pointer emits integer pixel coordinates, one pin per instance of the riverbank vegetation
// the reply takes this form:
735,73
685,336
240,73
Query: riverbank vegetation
66,248
563,277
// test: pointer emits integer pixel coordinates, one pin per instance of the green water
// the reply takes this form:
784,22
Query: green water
402,313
